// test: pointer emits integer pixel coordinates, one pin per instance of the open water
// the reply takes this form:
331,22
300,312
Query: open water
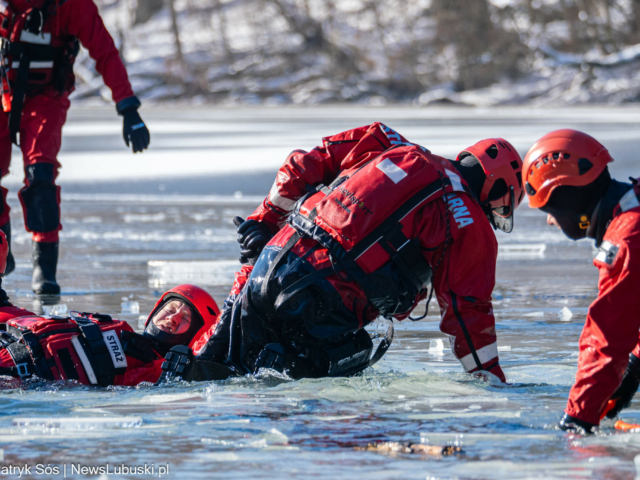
139,225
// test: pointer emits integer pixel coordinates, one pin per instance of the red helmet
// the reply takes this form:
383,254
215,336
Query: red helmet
562,157
4,251
502,191
199,300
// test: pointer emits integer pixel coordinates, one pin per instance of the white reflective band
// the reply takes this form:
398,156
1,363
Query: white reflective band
34,65
112,342
484,355
391,170
456,183
28,37
279,201
629,200
85,361
601,256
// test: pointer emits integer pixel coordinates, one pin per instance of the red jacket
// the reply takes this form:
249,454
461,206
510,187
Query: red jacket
464,280
612,327
81,19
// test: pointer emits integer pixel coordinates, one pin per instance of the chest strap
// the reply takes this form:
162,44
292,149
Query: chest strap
97,352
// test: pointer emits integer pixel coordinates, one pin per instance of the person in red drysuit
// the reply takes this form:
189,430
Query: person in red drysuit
566,176
359,227
180,317
41,39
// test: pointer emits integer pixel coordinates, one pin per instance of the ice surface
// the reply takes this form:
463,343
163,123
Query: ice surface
565,314
59,309
77,423
219,272
130,307
436,347
512,250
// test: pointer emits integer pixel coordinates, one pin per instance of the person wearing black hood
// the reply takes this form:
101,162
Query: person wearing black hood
95,349
566,176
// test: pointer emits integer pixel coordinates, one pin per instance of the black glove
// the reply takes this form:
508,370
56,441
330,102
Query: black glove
572,424
180,362
134,130
252,237
628,387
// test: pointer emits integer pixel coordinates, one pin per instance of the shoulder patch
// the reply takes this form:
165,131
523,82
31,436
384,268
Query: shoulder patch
607,253
629,200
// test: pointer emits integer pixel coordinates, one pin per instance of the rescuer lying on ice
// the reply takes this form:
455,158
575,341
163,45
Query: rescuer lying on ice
95,349
39,41
566,176
355,229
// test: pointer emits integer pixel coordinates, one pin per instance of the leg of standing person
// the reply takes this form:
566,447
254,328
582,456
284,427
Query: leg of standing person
40,138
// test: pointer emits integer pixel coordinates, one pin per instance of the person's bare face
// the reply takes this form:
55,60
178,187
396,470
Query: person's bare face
551,220
174,317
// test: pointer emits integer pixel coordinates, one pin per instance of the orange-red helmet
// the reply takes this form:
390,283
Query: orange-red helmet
562,158
200,302
502,191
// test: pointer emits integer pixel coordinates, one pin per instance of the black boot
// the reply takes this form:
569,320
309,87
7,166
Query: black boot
45,263
11,263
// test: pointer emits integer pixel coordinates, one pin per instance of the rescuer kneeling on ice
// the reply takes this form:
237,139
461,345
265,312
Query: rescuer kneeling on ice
355,229
40,40
94,349
566,176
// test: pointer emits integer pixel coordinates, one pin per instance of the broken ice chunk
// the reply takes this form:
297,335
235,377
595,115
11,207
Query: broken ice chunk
436,347
58,310
565,314
130,307
504,348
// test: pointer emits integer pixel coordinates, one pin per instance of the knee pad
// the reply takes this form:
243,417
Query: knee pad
40,199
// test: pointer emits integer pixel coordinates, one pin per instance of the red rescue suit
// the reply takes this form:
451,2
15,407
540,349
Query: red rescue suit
449,226
610,332
45,107
91,349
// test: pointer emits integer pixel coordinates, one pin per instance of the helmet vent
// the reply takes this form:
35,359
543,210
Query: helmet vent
211,312
566,156
492,151
530,190
515,165
498,190
556,156
584,165
519,177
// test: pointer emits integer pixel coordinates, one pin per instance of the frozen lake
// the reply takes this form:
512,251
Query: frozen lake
136,225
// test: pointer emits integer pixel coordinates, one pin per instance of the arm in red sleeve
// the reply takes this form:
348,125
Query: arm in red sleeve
321,165
83,21
610,332
464,282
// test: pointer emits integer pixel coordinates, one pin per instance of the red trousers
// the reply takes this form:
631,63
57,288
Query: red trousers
43,117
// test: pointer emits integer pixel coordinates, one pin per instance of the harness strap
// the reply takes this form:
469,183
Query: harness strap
21,357
19,93
39,361
98,353
383,346
268,307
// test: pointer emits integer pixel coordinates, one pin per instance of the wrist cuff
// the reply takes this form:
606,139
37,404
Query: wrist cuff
127,104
